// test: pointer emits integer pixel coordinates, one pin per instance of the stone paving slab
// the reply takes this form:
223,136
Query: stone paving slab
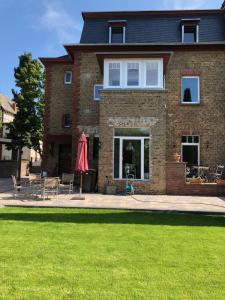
214,205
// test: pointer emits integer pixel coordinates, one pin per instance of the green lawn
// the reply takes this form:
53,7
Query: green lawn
108,254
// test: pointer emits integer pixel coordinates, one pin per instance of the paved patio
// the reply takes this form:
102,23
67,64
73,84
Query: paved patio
137,202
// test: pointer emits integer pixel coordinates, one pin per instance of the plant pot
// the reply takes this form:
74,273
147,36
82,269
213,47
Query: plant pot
220,181
195,181
110,189
177,157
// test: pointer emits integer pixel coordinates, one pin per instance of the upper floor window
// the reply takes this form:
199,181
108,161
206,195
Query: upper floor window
117,31
190,31
130,73
68,77
114,74
190,88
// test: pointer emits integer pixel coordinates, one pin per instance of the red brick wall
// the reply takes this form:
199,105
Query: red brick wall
176,183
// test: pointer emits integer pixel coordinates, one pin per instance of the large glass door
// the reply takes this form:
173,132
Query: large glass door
131,158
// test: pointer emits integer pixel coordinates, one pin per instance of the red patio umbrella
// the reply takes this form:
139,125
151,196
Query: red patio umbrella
81,161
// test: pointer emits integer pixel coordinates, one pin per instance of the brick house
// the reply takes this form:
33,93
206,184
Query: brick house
142,85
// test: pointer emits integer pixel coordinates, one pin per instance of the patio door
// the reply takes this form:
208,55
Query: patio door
190,150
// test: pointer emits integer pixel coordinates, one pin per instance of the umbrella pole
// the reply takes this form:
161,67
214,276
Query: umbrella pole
81,183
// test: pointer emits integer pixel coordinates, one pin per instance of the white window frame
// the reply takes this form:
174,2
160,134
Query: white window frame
110,34
68,82
190,103
139,74
137,138
191,144
142,73
94,95
160,74
196,32
106,74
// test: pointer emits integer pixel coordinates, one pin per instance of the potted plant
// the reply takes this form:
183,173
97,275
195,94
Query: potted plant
197,180
177,157
110,189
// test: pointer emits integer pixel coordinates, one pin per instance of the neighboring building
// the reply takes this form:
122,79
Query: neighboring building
142,85
8,111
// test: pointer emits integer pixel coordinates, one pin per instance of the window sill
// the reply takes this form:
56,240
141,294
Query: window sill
127,90
190,103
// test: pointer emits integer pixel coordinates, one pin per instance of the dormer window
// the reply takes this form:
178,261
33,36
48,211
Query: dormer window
190,31
117,32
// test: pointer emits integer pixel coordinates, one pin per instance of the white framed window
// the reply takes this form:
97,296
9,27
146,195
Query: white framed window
190,90
190,33
190,150
133,73
96,94
117,34
113,71
68,77
131,153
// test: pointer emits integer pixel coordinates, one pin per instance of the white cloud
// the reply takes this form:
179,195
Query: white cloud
60,22
183,4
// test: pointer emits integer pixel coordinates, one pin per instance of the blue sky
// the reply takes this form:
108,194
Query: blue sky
42,26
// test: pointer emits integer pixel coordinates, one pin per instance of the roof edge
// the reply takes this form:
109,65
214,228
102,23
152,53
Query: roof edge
110,14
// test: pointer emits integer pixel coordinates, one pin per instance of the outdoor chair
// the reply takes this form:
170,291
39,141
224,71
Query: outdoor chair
18,188
50,186
67,182
217,175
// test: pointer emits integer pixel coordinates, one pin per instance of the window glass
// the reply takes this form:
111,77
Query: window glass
196,139
190,92
116,157
95,147
190,154
189,34
131,163
152,73
68,77
114,74
146,159
133,74
97,88
67,120
132,132
116,35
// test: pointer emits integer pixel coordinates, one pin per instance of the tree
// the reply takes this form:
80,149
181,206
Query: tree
27,126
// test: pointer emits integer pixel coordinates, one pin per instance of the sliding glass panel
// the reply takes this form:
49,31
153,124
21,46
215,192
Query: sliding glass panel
132,158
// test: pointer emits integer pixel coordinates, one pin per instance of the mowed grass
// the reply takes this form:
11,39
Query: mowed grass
109,254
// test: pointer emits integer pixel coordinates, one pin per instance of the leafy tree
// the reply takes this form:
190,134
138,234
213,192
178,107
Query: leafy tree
27,126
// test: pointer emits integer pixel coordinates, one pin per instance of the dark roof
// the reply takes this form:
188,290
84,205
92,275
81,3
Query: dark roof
60,59
146,27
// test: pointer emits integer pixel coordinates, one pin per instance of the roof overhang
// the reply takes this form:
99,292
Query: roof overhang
52,60
152,13
114,55
152,47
